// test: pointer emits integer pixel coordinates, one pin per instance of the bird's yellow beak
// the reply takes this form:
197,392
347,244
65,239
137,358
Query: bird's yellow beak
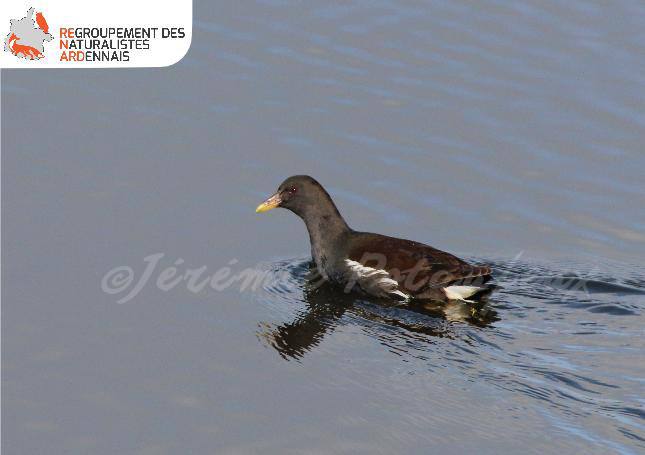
271,203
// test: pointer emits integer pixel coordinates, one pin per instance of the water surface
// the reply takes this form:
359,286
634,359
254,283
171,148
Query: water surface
507,133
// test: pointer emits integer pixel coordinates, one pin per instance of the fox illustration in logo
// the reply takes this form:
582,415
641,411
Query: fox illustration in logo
25,40
25,51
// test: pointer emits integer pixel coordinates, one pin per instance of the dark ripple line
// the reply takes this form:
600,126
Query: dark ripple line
612,309
630,435
635,412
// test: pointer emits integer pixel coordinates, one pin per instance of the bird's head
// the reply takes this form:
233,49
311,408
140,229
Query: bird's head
300,194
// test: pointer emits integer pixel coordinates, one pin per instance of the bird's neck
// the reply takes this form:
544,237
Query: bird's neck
325,226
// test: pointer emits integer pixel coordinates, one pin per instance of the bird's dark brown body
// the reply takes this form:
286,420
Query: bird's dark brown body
418,269
375,264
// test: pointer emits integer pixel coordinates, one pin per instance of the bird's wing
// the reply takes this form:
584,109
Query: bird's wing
413,265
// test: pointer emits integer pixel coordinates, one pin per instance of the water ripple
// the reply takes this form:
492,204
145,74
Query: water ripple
520,347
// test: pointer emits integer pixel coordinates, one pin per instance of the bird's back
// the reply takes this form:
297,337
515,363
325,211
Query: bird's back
413,265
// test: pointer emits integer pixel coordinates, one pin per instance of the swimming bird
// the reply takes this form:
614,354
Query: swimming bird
375,264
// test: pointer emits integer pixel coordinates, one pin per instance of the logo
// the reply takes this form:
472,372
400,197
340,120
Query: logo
81,33
27,37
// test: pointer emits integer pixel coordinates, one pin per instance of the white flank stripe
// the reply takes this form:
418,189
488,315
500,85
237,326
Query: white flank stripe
374,281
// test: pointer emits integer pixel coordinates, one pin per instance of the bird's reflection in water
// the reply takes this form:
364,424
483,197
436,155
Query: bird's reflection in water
327,307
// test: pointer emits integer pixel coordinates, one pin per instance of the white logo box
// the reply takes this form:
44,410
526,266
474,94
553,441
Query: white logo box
121,33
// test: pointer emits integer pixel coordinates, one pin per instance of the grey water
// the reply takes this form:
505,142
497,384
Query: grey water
509,133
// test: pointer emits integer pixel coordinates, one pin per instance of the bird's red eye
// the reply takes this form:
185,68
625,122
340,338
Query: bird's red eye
292,189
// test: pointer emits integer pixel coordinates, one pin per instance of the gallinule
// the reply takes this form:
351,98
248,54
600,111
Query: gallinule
374,264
